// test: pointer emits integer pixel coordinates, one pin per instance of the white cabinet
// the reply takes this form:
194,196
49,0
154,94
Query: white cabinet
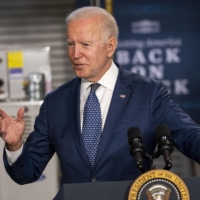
3,76
43,189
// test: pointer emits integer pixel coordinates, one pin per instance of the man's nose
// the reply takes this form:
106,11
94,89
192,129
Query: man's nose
77,51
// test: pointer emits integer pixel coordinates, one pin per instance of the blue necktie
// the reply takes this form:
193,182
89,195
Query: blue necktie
92,124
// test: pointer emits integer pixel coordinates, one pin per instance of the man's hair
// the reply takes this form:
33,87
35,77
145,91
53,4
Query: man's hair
108,22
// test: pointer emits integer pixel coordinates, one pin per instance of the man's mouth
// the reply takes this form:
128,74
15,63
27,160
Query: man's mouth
78,65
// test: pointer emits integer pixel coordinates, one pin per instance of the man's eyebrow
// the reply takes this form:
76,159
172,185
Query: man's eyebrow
87,41
83,41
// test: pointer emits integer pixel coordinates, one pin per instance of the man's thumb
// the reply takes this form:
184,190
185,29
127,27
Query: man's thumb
20,114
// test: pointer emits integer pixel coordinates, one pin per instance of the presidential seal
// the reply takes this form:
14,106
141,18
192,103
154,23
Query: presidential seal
158,185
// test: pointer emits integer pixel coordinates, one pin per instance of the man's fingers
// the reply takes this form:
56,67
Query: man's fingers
2,134
20,114
3,114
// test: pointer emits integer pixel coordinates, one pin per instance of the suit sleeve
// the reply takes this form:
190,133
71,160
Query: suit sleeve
36,153
184,131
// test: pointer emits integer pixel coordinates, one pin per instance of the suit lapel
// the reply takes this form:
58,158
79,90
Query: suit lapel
74,113
119,100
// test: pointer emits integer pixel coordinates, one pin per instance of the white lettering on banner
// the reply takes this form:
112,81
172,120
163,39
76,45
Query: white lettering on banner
139,57
148,58
138,69
150,43
156,72
177,87
180,86
170,42
171,55
155,56
123,57
132,43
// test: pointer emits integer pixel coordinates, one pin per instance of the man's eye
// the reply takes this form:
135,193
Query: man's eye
85,44
70,44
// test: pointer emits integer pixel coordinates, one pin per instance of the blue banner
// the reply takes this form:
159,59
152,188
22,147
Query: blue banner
161,40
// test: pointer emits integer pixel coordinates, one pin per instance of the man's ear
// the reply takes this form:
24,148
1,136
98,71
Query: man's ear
112,43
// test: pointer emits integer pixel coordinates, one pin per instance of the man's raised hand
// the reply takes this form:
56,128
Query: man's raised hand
12,129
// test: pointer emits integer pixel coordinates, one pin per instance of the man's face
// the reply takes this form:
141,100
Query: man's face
88,52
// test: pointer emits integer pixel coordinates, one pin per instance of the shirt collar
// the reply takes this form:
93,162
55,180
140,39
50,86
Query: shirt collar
108,80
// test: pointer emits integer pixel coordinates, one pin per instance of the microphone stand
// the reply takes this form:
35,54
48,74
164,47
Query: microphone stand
140,164
168,163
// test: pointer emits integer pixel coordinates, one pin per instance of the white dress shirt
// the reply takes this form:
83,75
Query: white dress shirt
104,94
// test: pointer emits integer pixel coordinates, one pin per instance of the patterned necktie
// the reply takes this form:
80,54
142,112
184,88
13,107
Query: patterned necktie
92,125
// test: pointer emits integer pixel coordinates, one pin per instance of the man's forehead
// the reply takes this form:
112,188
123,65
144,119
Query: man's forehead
84,23
93,19
84,31
87,23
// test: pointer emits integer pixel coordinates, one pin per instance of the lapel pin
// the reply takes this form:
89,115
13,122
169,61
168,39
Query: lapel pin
122,96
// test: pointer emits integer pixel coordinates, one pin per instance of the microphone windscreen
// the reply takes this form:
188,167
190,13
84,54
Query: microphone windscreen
134,132
162,130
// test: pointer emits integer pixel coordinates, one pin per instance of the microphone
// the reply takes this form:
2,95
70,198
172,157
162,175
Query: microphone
165,146
137,150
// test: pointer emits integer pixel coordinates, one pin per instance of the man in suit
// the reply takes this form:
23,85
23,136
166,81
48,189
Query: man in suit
126,100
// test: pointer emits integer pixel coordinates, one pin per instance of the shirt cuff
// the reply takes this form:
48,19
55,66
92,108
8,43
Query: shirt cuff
12,156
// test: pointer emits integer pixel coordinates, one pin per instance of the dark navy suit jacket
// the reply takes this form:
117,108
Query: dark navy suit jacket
57,129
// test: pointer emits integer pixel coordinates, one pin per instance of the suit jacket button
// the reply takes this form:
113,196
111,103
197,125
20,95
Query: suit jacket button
93,179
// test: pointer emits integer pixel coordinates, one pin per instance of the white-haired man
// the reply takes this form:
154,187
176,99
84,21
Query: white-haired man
94,147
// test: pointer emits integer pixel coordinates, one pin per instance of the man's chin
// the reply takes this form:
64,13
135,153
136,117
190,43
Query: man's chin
80,75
